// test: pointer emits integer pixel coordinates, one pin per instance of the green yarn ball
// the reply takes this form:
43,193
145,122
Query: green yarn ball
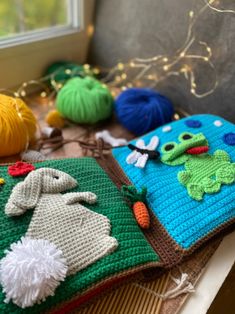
58,71
84,101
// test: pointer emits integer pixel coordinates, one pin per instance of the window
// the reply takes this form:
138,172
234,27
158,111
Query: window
35,33
25,20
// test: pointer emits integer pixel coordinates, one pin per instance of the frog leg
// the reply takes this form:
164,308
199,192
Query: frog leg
210,186
195,190
184,177
222,155
226,174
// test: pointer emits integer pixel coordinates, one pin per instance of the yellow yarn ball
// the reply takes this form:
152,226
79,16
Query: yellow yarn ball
17,126
54,119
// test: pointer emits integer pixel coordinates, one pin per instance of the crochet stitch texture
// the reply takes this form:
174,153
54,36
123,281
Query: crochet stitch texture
133,249
186,220
204,173
200,170
81,234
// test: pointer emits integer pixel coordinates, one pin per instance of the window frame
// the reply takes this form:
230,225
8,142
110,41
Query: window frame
25,60
74,17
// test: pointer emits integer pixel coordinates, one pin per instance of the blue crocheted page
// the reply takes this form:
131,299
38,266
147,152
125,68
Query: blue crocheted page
185,219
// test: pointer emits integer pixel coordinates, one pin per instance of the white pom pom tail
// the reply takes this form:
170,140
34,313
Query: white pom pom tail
31,271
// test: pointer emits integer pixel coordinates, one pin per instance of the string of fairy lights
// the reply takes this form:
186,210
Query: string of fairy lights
49,93
148,72
151,71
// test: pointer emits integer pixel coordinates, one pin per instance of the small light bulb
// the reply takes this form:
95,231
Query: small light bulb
96,71
206,58
24,84
191,13
182,54
117,78
23,93
86,67
120,66
165,68
165,59
68,71
123,88
90,30
150,77
132,64
43,94
176,116
123,76
192,90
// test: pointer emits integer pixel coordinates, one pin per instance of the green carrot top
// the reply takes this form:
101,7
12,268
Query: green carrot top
131,194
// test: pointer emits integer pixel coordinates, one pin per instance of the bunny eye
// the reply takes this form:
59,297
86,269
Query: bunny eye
56,177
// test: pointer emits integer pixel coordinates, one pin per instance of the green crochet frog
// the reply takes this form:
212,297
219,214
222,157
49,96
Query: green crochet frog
204,173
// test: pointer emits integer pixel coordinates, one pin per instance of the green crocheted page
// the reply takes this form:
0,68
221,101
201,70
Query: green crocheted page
133,249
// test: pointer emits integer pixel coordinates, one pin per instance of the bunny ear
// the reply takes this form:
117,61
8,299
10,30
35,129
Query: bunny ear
25,194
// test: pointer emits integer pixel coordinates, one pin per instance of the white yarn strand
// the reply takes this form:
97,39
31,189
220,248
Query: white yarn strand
183,286
31,271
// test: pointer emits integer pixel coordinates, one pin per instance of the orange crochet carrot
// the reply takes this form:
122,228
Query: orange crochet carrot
137,200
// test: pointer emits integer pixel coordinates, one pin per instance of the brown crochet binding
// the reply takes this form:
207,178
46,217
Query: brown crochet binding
169,251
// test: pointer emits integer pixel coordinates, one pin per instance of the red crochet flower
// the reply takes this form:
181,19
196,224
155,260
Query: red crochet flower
20,168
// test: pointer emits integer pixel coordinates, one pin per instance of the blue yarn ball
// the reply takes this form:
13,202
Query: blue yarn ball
141,110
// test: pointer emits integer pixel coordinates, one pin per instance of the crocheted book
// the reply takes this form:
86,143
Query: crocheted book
188,170
66,235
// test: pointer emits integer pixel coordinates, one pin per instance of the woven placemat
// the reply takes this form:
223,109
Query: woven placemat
142,299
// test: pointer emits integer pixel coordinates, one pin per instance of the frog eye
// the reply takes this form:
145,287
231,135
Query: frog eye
186,136
168,146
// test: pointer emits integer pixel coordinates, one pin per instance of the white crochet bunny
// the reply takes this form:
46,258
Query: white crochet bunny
63,236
